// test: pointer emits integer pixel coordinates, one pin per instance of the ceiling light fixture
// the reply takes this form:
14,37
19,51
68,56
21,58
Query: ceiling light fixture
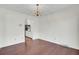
37,11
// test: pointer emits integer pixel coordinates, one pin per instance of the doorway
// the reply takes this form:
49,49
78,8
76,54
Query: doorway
28,33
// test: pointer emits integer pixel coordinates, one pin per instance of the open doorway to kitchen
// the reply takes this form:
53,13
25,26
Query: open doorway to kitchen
28,33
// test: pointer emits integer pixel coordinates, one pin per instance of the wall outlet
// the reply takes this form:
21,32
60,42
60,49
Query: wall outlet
20,25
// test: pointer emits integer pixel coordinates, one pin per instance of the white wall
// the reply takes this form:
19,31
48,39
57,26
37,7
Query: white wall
1,30
61,27
11,27
2,27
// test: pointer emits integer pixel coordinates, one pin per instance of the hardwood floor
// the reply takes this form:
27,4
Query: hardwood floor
38,47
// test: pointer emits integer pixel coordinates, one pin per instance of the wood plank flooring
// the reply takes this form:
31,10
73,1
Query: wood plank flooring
38,47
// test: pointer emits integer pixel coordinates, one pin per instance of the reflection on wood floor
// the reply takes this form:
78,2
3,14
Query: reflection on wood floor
38,47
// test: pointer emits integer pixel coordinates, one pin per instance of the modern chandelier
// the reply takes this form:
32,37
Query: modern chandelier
37,10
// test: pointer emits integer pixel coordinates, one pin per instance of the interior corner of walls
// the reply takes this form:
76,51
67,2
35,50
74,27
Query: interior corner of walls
35,37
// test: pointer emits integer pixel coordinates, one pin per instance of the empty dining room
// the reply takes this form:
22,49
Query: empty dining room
39,29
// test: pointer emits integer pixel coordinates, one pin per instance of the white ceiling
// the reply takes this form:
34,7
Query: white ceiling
45,9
